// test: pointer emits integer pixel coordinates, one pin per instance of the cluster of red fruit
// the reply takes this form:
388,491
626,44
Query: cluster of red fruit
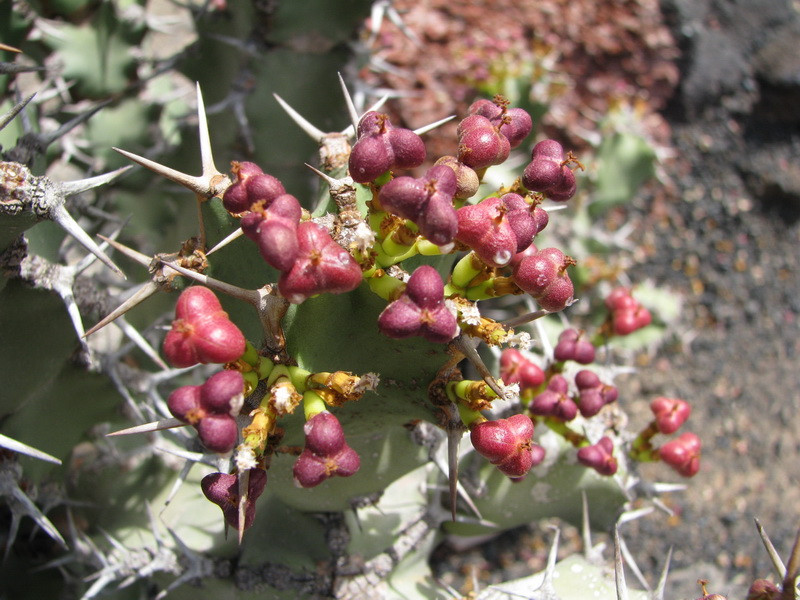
682,453
309,260
499,230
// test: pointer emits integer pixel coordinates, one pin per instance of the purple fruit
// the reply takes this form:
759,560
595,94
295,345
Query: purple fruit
420,310
223,490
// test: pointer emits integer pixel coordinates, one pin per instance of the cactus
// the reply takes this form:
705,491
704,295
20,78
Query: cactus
348,326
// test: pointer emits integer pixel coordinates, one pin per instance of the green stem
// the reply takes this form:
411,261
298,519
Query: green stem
385,286
312,404
466,269
561,428
468,416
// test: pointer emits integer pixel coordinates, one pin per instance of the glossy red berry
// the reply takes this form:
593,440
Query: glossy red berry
497,229
480,143
516,368
514,123
543,275
573,345
252,185
202,331
427,201
670,413
467,181
322,266
507,444
211,408
682,454
599,456
548,173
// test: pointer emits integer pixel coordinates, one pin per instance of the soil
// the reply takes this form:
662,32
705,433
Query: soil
720,85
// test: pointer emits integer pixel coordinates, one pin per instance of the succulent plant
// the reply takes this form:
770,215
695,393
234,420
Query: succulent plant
322,361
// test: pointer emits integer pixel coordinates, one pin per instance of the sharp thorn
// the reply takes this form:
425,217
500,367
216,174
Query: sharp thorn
148,427
235,234
348,100
434,125
632,515
143,293
586,529
315,134
70,188
327,178
206,156
141,343
526,318
351,131
244,485
9,116
394,17
777,563
60,216
15,446
14,68
88,260
792,570
628,557
8,48
251,296
142,259
198,185
464,345
454,434
619,568
189,457
658,593
547,588
65,292
376,14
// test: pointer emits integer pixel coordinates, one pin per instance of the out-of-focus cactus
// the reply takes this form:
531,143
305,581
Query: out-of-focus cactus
369,355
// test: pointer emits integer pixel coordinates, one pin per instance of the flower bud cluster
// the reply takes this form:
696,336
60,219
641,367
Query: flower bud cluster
555,400
326,452
682,454
593,394
321,266
573,345
516,368
211,409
